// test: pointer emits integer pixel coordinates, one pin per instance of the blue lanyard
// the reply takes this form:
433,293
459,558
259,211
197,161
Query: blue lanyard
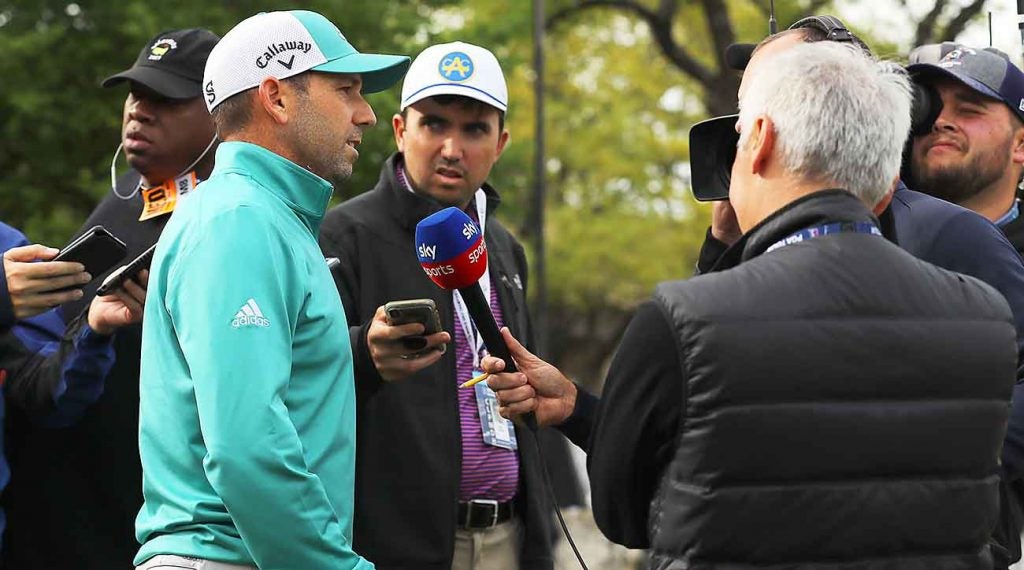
824,230
1010,215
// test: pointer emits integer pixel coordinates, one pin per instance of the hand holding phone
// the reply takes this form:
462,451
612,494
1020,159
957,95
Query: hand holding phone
422,311
130,271
36,284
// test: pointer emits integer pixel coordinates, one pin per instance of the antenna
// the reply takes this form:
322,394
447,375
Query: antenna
774,27
990,28
1020,19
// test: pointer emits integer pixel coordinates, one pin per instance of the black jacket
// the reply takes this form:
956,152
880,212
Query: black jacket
840,404
75,492
408,450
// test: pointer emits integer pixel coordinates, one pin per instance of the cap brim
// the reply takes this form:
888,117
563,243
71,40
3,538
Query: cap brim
454,89
928,69
737,56
379,71
167,84
712,152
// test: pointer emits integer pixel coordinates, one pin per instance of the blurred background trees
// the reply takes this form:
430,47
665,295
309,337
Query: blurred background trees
625,81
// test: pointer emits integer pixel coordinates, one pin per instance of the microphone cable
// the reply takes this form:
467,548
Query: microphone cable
551,495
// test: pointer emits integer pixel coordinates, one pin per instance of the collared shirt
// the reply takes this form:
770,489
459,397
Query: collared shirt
1010,214
488,472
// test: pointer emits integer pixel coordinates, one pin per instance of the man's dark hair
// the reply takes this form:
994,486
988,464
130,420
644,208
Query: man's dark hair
467,103
234,113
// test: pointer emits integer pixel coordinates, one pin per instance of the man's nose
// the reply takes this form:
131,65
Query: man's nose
944,122
451,150
141,110
364,115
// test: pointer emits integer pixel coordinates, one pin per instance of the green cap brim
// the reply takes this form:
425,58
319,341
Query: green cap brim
379,71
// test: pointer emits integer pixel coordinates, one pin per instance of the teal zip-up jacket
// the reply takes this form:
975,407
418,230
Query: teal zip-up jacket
247,407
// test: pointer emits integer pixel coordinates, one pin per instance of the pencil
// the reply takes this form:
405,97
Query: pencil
475,381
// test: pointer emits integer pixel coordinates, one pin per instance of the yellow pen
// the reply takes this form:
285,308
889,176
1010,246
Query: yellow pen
475,381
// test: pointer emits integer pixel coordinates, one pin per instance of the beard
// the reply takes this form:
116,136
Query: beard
317,143
958,183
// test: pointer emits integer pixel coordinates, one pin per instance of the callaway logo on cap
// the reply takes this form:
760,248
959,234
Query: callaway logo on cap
457,68
283,44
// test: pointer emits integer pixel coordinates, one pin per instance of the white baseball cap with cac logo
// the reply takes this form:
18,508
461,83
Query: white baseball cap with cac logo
283,44
456,68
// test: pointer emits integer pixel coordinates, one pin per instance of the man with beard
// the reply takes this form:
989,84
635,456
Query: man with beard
974,154
247,405
75,492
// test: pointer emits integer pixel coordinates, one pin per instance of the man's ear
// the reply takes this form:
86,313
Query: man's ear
762,139
398,125
1018,145
270,98
503,139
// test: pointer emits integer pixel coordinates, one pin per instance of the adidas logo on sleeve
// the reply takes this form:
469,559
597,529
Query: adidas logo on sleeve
250,315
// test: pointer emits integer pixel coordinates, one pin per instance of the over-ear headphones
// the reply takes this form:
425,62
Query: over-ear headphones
834,29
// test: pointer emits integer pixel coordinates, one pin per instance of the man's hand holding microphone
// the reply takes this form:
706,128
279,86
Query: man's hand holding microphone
537,387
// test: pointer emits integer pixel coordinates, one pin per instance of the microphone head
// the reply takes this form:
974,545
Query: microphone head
451,249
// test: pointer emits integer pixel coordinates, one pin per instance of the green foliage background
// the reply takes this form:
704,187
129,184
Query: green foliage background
619,213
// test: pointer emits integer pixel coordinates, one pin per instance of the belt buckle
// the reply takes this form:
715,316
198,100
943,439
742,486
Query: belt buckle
473,503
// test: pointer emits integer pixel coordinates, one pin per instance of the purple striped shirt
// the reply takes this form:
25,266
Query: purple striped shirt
488,472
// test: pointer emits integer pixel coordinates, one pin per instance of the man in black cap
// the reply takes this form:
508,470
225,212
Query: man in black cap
75,500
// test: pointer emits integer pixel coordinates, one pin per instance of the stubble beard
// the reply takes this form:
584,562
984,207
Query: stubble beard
958,183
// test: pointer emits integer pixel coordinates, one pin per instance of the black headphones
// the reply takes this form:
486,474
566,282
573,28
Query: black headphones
835,30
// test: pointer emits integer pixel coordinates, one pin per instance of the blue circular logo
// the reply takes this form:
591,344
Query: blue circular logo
456,66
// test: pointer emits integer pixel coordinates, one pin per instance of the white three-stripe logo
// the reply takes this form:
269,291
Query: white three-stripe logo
250,315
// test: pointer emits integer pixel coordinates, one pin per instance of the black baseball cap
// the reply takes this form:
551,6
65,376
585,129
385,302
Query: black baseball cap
171,63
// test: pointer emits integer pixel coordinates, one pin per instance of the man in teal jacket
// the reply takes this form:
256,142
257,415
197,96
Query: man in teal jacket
247,411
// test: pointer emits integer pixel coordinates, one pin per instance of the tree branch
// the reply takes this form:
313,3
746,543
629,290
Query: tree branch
660,24
958,23
719,28
926,27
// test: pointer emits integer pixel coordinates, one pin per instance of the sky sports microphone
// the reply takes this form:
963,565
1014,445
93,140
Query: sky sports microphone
452,252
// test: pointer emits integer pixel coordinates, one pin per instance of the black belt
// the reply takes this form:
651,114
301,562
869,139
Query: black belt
483,513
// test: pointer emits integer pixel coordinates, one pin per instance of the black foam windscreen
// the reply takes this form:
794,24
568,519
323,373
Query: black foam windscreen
738,55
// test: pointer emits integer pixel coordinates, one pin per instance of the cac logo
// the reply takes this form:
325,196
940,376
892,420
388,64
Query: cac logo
161,47
456,66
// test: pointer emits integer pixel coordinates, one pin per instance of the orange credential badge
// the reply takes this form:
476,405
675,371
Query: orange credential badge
162,199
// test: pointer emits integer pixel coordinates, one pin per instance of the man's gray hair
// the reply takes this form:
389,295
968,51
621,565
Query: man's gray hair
839,115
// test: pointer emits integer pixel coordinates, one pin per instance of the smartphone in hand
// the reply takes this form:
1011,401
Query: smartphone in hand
97,249
130,271
423,311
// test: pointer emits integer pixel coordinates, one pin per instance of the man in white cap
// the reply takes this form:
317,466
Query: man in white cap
436,487
247,411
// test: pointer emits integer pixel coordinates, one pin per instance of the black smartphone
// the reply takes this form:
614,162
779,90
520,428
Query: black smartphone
117,278
97,249
422,311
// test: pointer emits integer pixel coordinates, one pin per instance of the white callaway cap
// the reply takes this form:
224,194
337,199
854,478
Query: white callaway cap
283,44
457,68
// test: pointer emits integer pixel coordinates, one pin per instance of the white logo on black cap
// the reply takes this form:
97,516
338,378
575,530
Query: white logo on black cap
161,47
